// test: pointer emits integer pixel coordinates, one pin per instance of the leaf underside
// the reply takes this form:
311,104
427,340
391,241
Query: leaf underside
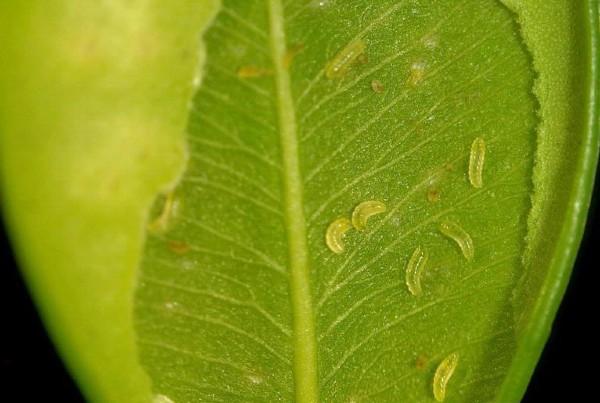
239,297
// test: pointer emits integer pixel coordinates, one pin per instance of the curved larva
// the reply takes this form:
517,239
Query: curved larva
178,247
476,160
335,233
169,208
414,268
364,211
340,64
442,375
453,231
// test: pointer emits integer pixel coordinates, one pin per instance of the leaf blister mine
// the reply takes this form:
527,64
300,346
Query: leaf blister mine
356,144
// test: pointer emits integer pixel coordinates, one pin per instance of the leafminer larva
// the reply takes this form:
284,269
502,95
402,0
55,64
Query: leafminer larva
476,159
442,375
364,211
169,208
335,233
414,268
341,63
453,231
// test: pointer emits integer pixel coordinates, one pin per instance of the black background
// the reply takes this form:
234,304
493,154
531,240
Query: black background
32,372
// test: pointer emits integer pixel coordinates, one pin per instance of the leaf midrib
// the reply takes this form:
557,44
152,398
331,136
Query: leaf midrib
304,341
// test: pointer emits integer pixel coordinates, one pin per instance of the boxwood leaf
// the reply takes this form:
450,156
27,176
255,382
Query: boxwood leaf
306,110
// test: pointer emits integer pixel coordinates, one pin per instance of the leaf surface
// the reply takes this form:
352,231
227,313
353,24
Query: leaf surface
239,297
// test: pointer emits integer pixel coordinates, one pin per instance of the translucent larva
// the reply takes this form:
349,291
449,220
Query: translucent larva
364,211
415,266
341,63
335,234
377,86
476,160
453,231
169,208
442,375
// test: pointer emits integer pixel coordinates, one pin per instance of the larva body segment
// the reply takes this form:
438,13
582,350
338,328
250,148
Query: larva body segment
415,266
335,233
442,375
453,231
344,59
476,160
364,211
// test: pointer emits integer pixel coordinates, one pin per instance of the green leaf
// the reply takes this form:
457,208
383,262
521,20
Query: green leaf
238,296
93,100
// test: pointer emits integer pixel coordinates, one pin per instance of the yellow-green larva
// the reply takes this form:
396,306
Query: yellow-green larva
442,375
476,160
454,231
364,211
414,268
168,210
335,233
344,59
